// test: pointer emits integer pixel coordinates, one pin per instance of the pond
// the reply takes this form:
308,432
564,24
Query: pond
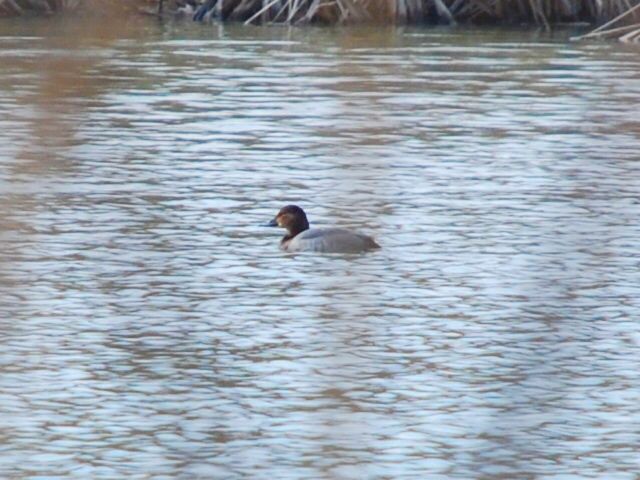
150,327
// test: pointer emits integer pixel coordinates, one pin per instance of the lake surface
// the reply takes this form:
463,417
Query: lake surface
150,328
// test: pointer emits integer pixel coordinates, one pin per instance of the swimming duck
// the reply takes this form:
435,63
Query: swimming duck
300,238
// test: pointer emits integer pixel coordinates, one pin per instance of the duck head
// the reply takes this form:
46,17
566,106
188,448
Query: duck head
292,218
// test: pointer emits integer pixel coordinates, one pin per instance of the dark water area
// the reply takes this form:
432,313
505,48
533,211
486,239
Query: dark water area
151,328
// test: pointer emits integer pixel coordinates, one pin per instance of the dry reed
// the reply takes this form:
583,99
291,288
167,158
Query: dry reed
541,12
619,18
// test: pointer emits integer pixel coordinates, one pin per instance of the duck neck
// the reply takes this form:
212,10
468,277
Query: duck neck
294,229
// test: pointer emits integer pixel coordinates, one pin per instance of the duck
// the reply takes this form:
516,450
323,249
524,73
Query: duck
301,238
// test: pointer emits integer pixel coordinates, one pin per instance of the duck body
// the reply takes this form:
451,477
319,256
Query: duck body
336,240
301,238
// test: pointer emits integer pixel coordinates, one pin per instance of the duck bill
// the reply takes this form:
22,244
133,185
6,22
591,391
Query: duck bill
272,223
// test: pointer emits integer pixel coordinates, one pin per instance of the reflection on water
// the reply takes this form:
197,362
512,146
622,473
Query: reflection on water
150,328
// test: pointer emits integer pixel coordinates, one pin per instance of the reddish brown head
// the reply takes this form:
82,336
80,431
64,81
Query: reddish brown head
292,218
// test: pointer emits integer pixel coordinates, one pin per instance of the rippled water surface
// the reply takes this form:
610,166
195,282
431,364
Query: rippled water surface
151,328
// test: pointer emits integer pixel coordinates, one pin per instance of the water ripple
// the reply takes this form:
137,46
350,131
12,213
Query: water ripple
150,328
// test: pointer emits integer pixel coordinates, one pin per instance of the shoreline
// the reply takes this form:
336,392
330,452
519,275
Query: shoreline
607,19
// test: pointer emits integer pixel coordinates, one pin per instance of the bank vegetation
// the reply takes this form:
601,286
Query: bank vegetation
613,18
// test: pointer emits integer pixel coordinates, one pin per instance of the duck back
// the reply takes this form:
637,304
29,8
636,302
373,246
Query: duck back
329,240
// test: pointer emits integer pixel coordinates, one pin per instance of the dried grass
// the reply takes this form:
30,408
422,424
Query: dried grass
541,12
620,18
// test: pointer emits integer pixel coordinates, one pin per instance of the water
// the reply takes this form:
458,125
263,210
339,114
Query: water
151,328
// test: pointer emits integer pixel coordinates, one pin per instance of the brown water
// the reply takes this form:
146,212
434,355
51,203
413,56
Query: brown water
151,328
